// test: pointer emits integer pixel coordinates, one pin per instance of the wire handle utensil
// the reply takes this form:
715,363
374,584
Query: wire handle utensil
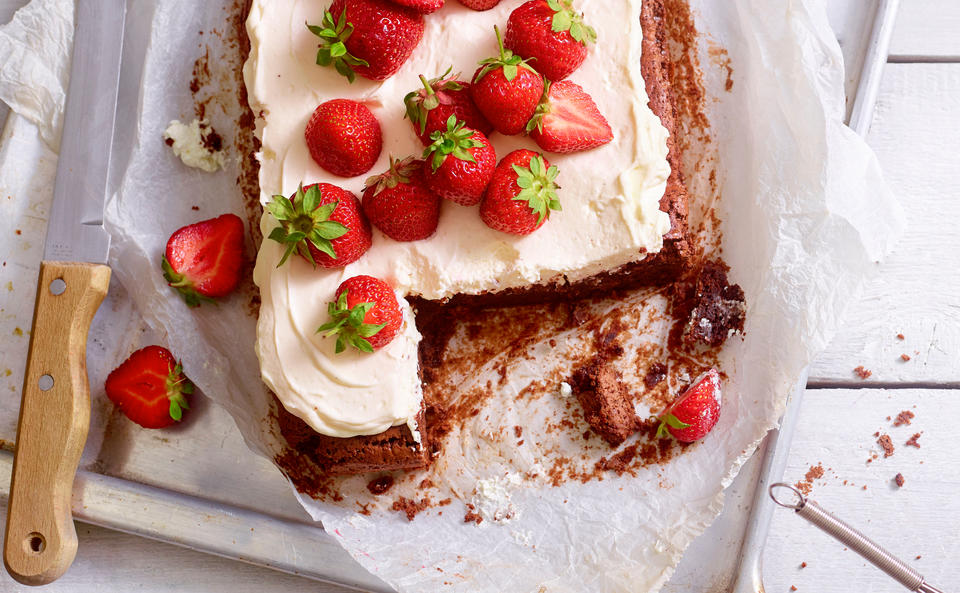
853,539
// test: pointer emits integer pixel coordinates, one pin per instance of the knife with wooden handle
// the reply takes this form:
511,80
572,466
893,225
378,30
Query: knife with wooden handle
40,540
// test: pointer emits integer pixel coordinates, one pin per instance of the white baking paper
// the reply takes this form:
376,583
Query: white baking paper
805,216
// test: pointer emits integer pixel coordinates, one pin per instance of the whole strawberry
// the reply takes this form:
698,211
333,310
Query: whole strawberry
695,412
203,260
322,223
459,163
344,137
365,315
506,90
430,107
521,193
480,4
399,203
551,33
150,388
567,120
421,6
372,38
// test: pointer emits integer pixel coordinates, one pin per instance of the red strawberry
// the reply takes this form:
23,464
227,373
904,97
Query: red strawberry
344,137
203,260
323,223
372,38
552,34
150,388
459,163
480,4
521,193
399,203
364,315
567,120
443,96
506,90
421,6
695,412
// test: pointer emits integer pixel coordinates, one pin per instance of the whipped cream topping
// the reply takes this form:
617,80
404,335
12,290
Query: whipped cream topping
189,142
610,198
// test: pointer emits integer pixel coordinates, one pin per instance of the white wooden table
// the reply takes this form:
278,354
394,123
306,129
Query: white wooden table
916,293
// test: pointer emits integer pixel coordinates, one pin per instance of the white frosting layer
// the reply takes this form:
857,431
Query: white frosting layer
610,198
188,144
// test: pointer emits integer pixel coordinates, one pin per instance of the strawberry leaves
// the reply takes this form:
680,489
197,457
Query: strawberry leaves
507,60
671,421
399,172
178,386
566,19
432,95
303,220
537,187
347,324
455,141
184,286
333,35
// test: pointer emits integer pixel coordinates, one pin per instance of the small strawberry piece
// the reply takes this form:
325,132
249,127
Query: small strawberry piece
203,260
695,412
480,4
372,38
459,164
150,388
567,120
400,204
323,223
344,137
365,315
551,33
443,96
521,193
421,6
506,90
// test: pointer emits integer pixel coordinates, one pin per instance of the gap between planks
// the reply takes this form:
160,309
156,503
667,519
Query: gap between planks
887,385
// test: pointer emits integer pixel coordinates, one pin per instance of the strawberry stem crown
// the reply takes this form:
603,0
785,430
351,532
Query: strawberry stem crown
304,221
333,34
183,285
669,420
347,324
178,386
399,172
567,19
543,108
455,141
510,62
537,186
432,95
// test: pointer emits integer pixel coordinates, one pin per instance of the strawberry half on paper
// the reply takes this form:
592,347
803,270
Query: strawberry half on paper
322,223
150,388
695,412
203,260
365,315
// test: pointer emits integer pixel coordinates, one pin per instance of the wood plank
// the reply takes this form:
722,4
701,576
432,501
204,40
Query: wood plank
836,429
926,29
917,290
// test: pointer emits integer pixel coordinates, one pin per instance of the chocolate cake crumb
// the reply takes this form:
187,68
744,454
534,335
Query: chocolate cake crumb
619,462
606,404
410,507
168,141
803,565
899,479
886,443
471,517
518,431
656,373
380,485
900,337
912,441
905,357
814,473
919,557
719,308
862,372
793,587
903,418
195,208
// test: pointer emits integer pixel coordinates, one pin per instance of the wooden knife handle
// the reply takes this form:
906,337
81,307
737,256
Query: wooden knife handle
41,541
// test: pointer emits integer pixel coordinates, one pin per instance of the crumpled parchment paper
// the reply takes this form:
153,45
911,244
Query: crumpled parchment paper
805,216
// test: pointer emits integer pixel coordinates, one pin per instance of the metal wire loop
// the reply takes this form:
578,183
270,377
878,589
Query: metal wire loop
801,499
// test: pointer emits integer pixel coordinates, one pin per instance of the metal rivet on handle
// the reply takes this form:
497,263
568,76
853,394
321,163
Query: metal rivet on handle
58,287
45,383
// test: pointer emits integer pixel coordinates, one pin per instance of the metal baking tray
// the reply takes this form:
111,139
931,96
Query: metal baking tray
156,486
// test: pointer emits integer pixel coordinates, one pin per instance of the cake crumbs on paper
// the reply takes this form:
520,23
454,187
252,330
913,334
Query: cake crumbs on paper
886,443
904,418
803,565
793,587
862,372
905,357
806,484
900,480
912,441
410,507
901,337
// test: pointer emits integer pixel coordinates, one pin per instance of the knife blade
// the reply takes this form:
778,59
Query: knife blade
40,541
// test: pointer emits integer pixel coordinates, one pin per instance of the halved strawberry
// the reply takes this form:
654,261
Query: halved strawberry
480,4
150,388
459,163
695,412
430,107
372,38
551,33
203,260
567,120
399,203
321,222
365,315
421,6
506,90
521,193
344,137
